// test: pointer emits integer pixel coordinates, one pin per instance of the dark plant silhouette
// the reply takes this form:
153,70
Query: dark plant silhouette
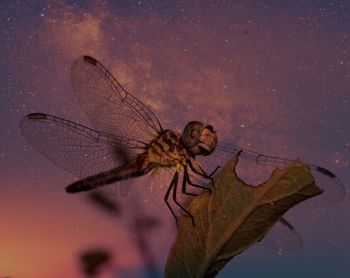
106,203
143,225
93,260
139,225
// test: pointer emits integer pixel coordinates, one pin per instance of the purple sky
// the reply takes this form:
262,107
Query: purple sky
273,76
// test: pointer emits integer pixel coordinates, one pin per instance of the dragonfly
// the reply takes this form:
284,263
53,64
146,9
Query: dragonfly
128,141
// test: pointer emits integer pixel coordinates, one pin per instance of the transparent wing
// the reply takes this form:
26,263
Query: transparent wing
282,236
254,168
78,149
109,107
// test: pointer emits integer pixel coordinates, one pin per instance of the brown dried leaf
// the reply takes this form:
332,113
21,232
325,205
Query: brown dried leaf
234,217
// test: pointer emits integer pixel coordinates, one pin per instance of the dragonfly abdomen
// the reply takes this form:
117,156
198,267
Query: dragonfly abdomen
129,170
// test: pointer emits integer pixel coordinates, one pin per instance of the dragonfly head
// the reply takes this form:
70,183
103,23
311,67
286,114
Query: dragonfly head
198,138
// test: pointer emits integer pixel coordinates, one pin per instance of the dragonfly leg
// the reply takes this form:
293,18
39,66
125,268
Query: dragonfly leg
186,180
174,185
197,168
166,198
184,183
217,168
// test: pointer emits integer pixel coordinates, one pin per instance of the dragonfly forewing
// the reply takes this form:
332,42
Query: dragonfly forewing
109,107
255,168
78,149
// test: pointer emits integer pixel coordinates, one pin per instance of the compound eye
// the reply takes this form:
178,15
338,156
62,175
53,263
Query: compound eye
194,134
210,128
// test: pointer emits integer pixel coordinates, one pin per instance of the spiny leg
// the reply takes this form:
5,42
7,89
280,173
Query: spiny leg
212,173
219,166
176,178
166,198
184,183
199,171
186,179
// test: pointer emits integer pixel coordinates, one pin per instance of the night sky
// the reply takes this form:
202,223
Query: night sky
273,76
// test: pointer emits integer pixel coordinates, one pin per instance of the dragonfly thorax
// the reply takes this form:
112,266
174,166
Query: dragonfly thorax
167,150
198,138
